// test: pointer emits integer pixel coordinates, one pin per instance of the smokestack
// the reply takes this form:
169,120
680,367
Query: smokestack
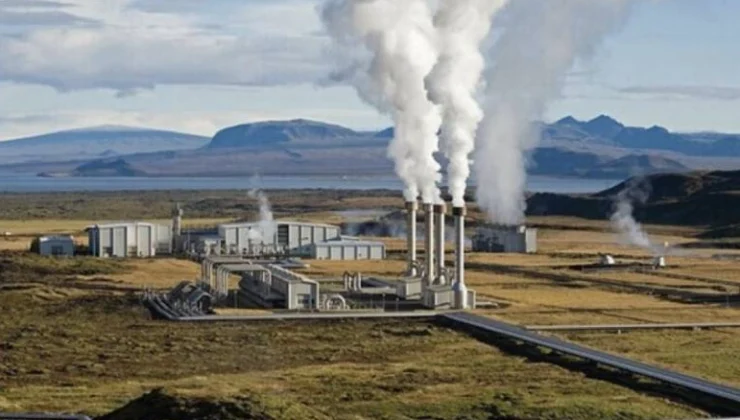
411,208
429,216
439,221
459,288
176,227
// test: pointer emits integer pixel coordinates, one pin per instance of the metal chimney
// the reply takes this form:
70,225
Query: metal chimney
459,288
439,238
411,209
429,247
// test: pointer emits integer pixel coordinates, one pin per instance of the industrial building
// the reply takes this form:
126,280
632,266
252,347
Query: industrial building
273,286
273,237
129,239
344,248
54,246
506,239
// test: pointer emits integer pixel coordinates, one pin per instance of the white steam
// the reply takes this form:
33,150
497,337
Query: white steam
462,26
623,220
267,220
398,39
540,42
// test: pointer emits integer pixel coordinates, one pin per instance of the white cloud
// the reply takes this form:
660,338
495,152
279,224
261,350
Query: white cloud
139,48
719,93
205,123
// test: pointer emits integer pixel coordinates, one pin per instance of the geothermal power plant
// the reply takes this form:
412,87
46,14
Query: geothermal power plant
268,279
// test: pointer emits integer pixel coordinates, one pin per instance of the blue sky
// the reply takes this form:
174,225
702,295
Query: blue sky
197,66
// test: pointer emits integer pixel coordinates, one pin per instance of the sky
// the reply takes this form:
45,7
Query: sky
201,65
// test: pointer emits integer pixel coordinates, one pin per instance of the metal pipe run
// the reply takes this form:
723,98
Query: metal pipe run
439,221
429,247
460,290
411,209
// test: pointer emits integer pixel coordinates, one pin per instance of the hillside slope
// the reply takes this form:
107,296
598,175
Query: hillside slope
105,141
698,198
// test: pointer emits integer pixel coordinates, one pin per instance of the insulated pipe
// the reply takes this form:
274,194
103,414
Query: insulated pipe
439,238
460,290
429,247
411,209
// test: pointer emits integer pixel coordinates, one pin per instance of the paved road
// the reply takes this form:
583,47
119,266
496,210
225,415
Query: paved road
628,327
724,392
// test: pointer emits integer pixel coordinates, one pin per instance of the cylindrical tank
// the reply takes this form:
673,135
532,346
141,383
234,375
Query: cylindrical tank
429,247
411,209
439,239
459,289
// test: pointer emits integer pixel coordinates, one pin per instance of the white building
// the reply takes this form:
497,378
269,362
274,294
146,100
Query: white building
129,239
345,249
277,236
54,245
507,239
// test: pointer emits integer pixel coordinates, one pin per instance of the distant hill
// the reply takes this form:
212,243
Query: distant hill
705,198
598,148
116,167
94,142
605,130
280,134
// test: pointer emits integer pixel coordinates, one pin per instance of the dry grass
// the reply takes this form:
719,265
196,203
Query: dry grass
99,351
709,354
156,273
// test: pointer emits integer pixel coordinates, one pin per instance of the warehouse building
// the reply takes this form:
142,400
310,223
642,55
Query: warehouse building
344,248
506,239
273,237
54,246
129,239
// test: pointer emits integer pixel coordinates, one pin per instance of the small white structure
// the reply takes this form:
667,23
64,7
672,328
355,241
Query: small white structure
54,245
345,249
278,236
659,262
607,259
129,239
506,239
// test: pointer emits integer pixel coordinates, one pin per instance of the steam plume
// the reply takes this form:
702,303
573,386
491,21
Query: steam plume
462,26
398,39
266,217
540,42
623,219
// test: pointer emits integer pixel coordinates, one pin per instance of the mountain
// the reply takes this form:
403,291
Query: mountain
702,198
607,131
280,133
95,142
116,167
600,147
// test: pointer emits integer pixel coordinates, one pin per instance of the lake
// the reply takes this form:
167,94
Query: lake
32,183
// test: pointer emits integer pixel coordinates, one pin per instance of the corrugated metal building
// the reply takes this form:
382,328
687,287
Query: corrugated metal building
243,238
508,239
346,249
54,245
129,239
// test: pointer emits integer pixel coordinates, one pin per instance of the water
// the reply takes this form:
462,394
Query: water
32,183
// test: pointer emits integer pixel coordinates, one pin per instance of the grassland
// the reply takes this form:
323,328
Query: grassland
97,351
75,338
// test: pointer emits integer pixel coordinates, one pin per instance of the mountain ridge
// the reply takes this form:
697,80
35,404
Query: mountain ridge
599,147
